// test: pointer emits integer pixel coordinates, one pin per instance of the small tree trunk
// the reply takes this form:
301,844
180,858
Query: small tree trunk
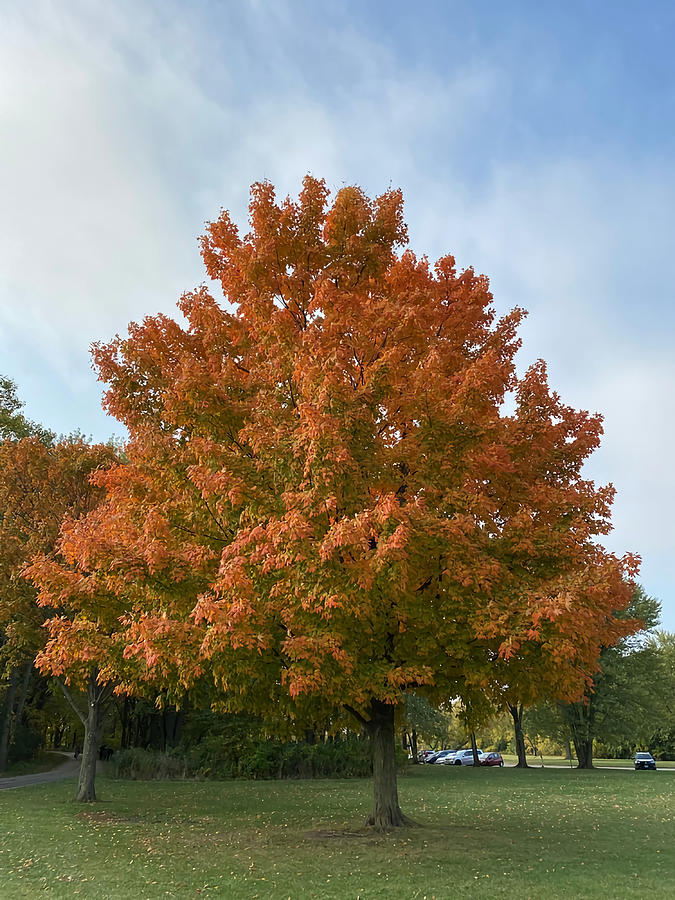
93,729
25,683
517,716
413,747
474,748
386,812
124,720
7,718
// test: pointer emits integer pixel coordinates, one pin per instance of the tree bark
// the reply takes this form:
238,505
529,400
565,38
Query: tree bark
97,698
386,811
516,711
583,747
413,747
7,718
25,684
581,721
474,750
93,731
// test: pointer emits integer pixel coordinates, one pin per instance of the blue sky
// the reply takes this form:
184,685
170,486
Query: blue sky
533,140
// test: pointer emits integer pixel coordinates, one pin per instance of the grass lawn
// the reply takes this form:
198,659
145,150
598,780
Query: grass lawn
510,760
544,833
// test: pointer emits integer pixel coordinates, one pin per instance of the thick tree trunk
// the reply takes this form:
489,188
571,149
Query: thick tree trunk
583,747
7,718
517,716
93,730
580,718
386,812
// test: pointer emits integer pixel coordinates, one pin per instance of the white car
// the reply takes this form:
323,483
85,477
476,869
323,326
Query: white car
443,757
447,758
465,757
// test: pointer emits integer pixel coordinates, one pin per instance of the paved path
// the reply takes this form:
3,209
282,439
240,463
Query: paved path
67,769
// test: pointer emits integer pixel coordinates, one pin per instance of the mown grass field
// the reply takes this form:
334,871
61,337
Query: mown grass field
557,761
544,833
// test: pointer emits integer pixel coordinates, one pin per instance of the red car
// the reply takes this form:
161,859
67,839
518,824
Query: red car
492,759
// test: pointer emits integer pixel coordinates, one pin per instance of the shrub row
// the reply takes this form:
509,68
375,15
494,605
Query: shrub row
266,759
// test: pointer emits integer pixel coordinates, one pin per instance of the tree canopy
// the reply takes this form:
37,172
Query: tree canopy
327,501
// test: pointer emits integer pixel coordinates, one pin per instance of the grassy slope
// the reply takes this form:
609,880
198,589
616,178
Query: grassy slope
496,833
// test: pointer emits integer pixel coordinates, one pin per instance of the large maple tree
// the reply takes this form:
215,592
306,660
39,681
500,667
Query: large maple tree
327,502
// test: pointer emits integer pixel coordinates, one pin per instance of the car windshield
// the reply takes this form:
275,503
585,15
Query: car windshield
643,756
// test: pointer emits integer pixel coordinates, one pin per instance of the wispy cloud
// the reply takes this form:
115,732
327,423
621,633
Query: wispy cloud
126,125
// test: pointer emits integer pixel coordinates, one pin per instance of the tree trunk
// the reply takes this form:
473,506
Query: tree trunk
93,731
7,718
474,749
580,718
386,812
517,716
583,747
125,715
413,747
25,684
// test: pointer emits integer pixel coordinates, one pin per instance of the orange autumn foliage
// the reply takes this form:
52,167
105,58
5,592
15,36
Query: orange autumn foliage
326,501
41,485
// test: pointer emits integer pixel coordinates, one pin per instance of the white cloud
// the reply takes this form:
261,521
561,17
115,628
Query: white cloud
125,126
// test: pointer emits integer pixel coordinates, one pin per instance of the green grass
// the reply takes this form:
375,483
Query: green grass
510,760
546,833
43,762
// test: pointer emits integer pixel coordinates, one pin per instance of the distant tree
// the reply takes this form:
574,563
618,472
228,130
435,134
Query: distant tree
623,700
428,722
662,680
40,485
620,700
532,674
13,424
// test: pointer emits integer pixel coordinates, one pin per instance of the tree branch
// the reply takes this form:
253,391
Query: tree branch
357,715
69,697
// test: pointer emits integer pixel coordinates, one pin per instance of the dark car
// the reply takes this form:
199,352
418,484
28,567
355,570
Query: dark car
431,756
439,757
645,761
492,759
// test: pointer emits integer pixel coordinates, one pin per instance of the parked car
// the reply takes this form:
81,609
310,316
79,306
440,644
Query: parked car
447,758
424,755
645,761
439,757
465,758
491,759
431,756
